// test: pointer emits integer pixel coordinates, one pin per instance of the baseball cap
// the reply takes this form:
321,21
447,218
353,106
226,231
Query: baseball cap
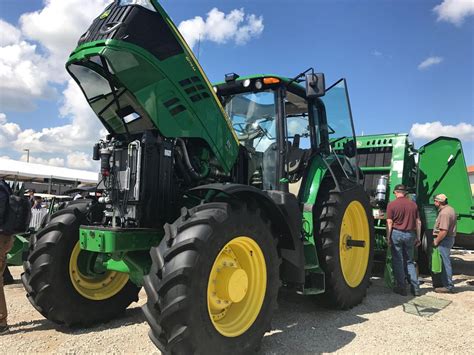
400,187
30,190
441,198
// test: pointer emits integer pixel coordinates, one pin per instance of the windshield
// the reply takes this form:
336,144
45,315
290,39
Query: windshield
93,84
338,112
115,106
340,127
145,3
253,118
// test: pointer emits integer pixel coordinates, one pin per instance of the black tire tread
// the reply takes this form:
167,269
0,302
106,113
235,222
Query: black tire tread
167,310
40,275
331,206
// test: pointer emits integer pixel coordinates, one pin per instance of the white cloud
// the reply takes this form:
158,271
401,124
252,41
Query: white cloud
431,130
221,28
9,34
376,53
454,11
83,130
23,77
8,131
32,57
80,160
58,26
428,62
39,160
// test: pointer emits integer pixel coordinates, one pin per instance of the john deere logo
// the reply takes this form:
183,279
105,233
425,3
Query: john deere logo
105,14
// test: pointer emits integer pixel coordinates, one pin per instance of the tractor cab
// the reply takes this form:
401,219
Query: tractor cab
282,126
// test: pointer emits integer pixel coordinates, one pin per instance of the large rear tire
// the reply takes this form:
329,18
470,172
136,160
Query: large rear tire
345,243
54,279
214,281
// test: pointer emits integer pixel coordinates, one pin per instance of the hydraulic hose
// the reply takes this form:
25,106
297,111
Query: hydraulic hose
181,167
194,174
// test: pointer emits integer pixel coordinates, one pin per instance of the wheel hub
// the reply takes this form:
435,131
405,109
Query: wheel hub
354,244
232,284
236,287
94,287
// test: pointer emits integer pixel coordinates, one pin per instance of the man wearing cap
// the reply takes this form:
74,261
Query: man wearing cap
443,238
403,235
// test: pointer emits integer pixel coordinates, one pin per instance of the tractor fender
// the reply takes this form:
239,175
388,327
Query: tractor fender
283,210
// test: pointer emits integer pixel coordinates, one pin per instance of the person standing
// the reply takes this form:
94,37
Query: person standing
6,243
31,196
37,213
403,235
443,233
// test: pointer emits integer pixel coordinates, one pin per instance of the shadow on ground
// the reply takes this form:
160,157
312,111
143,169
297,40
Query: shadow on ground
129,317
302,326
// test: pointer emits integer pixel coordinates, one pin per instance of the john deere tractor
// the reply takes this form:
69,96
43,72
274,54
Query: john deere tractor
212,197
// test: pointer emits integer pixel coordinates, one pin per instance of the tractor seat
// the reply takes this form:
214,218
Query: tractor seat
295,158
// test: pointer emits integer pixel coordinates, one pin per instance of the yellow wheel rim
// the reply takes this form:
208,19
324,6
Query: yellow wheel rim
354,233
97,287
236,287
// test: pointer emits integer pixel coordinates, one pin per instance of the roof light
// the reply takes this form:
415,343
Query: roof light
258,84
271,81
231,77
246,83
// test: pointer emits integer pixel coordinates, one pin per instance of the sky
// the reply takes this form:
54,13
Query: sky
409,64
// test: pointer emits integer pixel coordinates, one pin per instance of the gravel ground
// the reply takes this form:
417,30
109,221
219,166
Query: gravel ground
300,326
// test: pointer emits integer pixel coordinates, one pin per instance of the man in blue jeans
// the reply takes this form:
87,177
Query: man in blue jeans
444,232
403,235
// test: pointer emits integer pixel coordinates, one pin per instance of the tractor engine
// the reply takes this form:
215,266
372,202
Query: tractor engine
137,180
142,178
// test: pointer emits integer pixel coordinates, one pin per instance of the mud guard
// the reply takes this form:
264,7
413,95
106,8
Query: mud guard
284,212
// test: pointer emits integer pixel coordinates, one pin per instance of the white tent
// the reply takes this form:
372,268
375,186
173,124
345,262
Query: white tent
21,171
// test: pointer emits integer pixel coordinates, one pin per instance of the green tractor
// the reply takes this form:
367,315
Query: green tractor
212,197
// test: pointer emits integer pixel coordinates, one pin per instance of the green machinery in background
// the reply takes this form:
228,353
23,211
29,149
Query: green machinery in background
437,167
211,196
19,251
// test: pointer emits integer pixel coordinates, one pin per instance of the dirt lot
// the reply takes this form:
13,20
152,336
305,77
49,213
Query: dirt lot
379,324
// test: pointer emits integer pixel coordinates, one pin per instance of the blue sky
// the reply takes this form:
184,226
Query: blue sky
378,46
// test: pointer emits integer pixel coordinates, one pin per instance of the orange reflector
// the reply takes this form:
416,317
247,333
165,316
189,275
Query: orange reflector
271,81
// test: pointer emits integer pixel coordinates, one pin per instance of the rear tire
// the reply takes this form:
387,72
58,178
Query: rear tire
179,307
347,269
47,277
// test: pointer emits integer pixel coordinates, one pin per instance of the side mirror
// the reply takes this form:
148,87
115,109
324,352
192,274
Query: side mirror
315,85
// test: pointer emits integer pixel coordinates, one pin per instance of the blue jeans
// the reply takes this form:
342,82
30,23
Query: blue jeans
447,272
403,245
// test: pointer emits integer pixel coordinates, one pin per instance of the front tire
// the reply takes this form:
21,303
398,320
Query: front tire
214,281
345,243
54,279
